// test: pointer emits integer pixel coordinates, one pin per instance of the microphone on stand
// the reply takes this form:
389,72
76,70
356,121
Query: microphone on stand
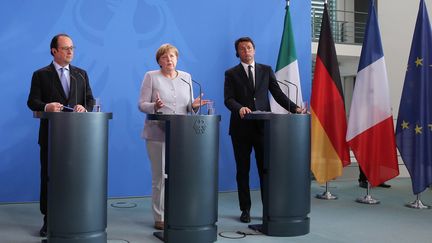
200,96
286,85
295,85
85,89
190,93
76,91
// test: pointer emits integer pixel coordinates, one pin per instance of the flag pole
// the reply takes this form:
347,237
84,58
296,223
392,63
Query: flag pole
417,204
368,199
326,195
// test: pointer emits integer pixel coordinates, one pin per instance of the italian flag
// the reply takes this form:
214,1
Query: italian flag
287,67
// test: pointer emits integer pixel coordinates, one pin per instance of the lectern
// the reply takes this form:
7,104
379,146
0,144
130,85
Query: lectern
77,169
286,177
191,186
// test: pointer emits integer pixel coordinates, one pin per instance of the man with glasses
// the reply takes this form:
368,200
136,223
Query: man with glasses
54,88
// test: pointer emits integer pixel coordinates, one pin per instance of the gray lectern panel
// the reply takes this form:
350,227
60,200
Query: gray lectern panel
192,149
286,182
287,176
77,186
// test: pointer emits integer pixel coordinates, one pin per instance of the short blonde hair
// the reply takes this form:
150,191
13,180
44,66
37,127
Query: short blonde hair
164,49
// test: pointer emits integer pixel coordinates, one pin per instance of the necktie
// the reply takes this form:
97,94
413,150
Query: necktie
64,82
250,75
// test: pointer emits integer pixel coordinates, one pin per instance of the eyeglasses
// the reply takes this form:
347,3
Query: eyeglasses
67,48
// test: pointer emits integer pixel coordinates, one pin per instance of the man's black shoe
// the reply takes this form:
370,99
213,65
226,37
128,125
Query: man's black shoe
43,231
363,184
383,185
245,216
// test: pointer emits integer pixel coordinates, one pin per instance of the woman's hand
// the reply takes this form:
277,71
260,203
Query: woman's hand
158,103
196,103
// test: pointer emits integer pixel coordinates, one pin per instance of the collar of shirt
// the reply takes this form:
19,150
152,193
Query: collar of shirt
57,67
246,67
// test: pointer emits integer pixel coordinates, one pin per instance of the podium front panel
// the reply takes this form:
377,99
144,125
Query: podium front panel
77,185
286,174
191,186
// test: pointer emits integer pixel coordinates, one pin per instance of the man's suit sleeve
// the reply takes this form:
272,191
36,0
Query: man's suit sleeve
229,93
34,101
278,95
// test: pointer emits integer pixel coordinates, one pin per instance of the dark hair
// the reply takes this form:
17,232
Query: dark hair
54,42
242,39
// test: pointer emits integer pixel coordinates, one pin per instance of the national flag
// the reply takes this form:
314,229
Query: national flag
329,150
287,67
370,127
414,123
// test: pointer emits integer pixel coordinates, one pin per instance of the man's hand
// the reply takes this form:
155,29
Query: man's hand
54,107
300,110
79,108
243,111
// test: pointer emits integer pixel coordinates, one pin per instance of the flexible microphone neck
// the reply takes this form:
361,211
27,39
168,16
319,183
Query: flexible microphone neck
76,88
296,87
190,94
286,85
85,89
200,96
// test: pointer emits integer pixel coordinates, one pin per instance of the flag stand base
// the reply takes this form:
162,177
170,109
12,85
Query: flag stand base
417,204
368,199
326,195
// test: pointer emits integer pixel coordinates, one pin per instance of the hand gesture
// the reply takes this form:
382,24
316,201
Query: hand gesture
196,103
158,103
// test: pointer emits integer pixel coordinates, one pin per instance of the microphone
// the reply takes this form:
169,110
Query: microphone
286,85
200,96
295,85
85,89
190,93
76,89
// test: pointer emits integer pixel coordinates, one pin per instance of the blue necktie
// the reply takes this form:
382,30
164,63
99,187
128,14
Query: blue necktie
64,82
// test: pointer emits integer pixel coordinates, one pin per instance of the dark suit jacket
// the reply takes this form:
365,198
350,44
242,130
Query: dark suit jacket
239,92
46,87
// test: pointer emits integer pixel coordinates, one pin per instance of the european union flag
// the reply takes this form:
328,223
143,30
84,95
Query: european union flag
414,124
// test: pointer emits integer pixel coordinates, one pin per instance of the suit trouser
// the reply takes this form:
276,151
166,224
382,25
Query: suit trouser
242,151
362,176
156,153
43,200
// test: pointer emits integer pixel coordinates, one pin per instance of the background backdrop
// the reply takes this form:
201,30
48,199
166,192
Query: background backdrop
116,42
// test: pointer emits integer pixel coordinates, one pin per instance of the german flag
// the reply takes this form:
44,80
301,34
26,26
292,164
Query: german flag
329,150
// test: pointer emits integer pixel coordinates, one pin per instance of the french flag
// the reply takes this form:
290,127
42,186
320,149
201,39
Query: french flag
370,127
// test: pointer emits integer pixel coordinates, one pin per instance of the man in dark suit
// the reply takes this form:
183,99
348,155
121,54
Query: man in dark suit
246,89
54,88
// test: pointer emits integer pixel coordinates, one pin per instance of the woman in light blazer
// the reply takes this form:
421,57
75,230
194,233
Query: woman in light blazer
165,91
